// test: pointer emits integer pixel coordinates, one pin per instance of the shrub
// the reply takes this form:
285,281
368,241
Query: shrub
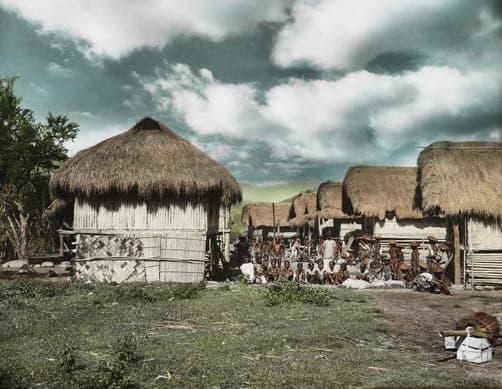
290,292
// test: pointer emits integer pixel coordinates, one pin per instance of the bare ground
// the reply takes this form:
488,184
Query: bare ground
416,319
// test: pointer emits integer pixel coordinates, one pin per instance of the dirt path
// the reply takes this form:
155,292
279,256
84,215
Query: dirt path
416,319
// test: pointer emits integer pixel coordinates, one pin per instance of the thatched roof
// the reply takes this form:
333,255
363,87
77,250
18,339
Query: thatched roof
374,190
329,200
261,214
147,160
461,178
57,207
303,209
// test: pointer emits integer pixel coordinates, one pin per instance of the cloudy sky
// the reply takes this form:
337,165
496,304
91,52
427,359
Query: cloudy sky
278,91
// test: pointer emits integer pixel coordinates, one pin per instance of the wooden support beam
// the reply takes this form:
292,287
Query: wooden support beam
456,246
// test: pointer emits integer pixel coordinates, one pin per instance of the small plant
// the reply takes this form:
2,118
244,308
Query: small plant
67,360
126,349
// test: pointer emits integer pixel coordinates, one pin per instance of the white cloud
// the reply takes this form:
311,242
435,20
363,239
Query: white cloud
116,27
346,34
359,116
58,70
89,137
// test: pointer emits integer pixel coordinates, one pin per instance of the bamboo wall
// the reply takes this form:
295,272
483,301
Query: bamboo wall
483,254
410,229
137,241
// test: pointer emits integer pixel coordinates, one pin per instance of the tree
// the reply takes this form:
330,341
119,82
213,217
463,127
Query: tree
29,151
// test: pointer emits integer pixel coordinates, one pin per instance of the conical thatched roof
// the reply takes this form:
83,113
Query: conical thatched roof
374,190
329,200
463,178
148,160
303,209
261,214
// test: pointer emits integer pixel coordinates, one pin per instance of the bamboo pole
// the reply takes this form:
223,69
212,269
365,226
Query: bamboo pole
456,245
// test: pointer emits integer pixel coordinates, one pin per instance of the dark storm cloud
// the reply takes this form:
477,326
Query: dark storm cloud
291,96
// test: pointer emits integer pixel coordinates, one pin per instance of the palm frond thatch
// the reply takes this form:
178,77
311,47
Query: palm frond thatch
262,214
374,190
149,159
303,209
329,200
461,178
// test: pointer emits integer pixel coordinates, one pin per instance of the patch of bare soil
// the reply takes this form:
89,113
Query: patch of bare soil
416,319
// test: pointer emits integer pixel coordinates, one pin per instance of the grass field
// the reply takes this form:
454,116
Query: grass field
232,335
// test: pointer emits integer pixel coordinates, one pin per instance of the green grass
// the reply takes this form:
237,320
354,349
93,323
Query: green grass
186,336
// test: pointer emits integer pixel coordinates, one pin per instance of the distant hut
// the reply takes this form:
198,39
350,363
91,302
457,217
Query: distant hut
463,182
330,214
303,214
146,205
266,219
384,197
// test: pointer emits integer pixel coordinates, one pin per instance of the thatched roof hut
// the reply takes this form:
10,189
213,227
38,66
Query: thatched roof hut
303,209
262,214
147,205
147,160
372,191
461,178
329,200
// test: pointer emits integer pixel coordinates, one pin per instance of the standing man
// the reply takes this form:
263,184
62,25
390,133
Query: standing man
395,254
328,251
415,258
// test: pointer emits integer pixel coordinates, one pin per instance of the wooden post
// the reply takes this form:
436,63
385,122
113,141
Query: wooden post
456,245
61,245
273,219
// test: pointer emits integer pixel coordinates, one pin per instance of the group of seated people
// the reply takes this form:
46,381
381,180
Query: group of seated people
314,273
333,265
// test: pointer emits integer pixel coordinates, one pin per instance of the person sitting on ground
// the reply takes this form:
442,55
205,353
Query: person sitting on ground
342,274
272,271
286,272
320,274
300,276
259,274
247,270
265,265
331,273
310,273
363,273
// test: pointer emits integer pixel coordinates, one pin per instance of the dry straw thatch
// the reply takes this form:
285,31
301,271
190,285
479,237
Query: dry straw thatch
147,160
329,200
374,190
262,214
461,178
303,209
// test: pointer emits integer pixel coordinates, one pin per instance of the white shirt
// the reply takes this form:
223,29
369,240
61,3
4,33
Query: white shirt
329,248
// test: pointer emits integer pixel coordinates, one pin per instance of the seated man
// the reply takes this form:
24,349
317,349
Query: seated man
310,273
259,274
286,272
272,271
342,274
331,273
300,276
320,273
363,273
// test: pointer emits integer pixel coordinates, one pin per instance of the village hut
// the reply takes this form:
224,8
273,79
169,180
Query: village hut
266,219
462,181
303,214
384,197
146,205
330,214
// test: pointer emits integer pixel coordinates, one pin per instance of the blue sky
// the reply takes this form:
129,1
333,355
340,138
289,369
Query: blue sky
278,91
